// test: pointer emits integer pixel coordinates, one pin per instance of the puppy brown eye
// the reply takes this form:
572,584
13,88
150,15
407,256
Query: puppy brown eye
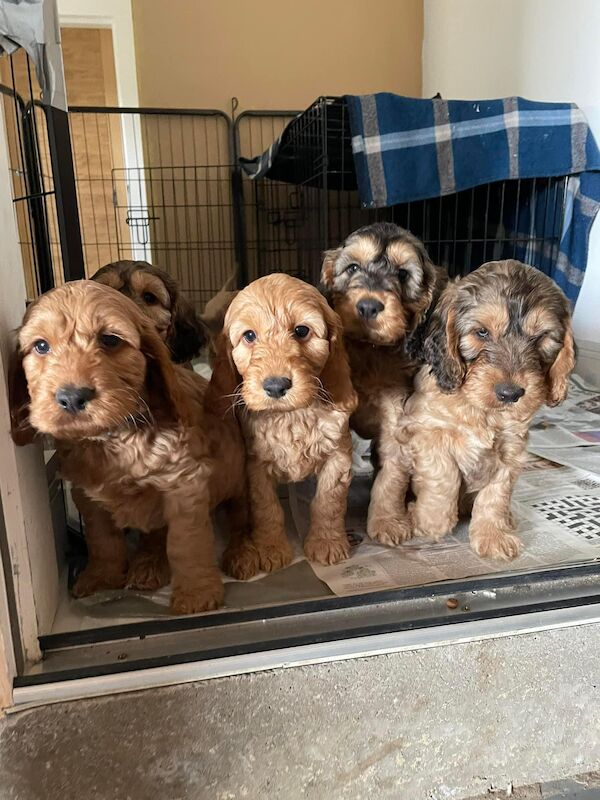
41,347
301,331
149,298
402,275
110,341
249,336
352,268
483,333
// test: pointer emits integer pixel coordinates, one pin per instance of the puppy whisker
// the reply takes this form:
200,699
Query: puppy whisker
322,392
237,403
236,391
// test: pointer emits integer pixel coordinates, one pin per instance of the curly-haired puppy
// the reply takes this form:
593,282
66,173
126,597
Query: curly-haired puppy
382,283
159,296
498,346
134,437
296,398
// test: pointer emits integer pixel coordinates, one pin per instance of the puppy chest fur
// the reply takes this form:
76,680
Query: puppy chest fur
383,379
480,442
130,472
293,445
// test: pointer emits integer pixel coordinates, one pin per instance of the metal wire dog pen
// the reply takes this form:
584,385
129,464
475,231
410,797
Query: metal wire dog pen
312,190
165,185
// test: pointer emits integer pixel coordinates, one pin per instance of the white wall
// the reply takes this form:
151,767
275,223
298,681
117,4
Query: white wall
540,49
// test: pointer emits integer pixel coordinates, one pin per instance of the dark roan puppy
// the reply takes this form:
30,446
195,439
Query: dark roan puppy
499,345
382,284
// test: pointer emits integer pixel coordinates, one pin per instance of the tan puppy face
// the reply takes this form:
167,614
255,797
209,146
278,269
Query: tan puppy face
158,296
380,282
502,338
147,291
286,345
87,355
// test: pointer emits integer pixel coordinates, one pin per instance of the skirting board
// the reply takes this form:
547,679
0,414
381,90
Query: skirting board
588,361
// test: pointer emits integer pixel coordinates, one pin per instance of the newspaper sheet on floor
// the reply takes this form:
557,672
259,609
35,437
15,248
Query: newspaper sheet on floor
558,513
570,433
556,503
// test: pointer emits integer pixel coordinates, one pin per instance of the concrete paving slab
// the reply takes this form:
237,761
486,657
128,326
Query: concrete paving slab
448,722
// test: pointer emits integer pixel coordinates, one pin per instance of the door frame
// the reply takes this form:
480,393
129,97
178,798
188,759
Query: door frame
118,16
29,553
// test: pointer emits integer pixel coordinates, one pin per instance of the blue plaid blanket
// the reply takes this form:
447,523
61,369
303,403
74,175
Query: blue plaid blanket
409,149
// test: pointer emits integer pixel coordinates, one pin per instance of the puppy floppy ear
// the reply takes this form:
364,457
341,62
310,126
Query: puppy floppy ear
213,316
327,270
187,334
336,376
224,379
561,369
165,395
18,397
439,347
437,281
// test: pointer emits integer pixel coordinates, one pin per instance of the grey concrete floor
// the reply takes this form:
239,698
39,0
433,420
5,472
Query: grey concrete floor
448,722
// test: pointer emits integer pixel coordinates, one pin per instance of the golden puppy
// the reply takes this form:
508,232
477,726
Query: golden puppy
158,295
498,346
133,436
382,284
296,398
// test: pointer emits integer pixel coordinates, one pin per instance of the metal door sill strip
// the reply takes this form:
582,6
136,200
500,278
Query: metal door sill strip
521,585
314,623
53,686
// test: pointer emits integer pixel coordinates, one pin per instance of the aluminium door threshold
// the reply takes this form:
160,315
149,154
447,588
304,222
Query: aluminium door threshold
181,649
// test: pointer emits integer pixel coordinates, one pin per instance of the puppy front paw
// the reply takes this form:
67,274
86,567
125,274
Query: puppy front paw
492,540
96,579
241,560
431,525
325,549
274,555
391,531
193,600
148,572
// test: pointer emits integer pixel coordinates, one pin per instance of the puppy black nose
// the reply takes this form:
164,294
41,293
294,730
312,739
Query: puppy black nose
74,398
276,387
369,307
508,392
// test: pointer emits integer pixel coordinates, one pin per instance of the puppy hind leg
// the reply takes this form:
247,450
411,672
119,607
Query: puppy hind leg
388,521
149,569
196,581
326,541
107,551
241,559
